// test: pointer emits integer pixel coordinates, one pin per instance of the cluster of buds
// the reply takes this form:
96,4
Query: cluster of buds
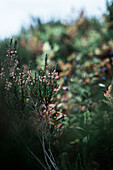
8,85
54,74
2,73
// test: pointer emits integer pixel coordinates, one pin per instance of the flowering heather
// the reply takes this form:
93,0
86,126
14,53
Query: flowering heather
25,91
31,95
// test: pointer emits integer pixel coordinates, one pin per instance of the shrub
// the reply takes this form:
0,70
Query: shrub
29,97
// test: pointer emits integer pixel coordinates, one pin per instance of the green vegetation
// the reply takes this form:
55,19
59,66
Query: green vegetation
56,95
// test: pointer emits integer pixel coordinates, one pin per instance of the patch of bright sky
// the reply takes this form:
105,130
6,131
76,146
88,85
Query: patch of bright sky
16,13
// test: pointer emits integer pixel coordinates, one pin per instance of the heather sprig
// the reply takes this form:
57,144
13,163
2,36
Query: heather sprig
25,91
